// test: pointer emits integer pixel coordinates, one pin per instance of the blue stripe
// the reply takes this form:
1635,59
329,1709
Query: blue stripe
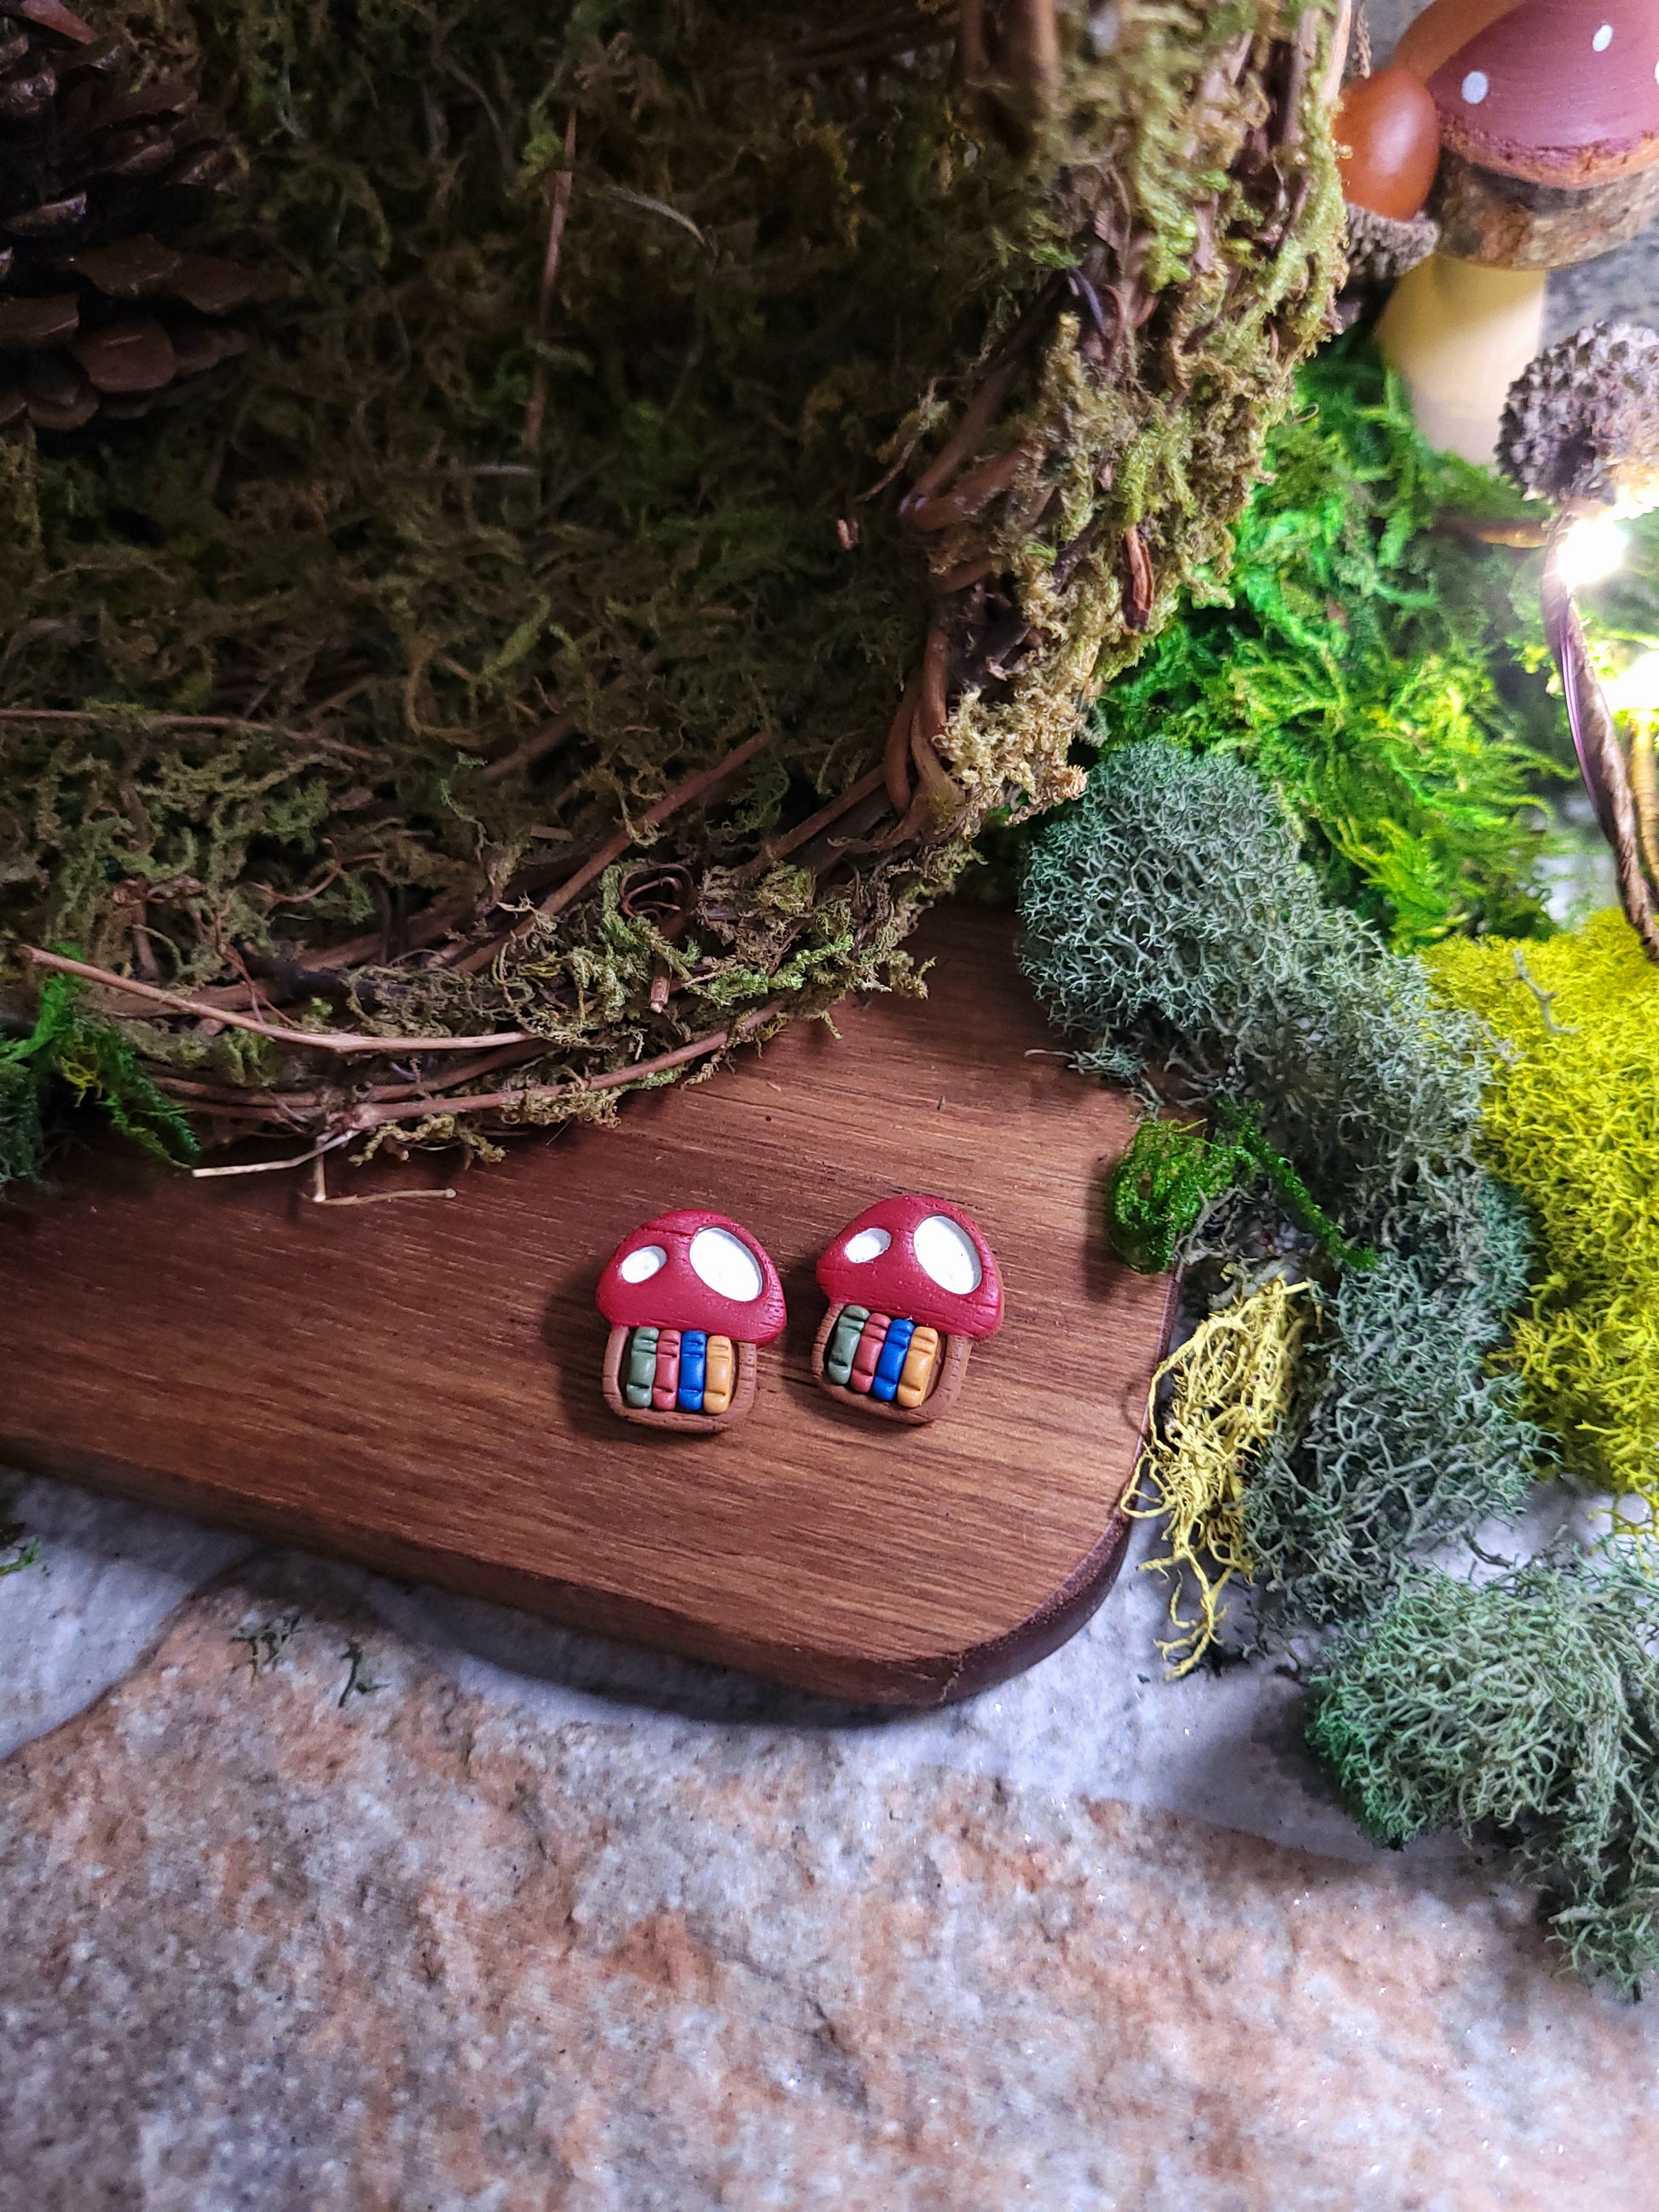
890,1365
694,1361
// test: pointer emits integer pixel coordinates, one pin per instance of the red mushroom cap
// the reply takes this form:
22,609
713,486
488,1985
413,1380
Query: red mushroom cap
944,1278
693,1270
1560,92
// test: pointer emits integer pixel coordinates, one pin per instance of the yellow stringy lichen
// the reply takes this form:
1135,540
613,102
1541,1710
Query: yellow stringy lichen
1570,1119
1230,1388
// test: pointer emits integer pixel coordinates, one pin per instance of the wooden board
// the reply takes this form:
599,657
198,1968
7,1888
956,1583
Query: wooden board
417,1386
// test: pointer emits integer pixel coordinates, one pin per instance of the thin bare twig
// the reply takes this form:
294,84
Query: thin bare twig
317,1195
684,794
537,410
342,1040
84,715
270,1167
493,1101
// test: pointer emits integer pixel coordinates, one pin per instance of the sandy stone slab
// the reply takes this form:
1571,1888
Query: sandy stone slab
285,1942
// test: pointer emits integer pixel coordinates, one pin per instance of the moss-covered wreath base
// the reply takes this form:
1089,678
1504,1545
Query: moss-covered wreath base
705,460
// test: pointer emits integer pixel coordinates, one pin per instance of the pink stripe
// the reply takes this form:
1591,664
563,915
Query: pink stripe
665,1383
869,1351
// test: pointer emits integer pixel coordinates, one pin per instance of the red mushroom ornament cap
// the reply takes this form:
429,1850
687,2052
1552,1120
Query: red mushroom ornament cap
919,1257
694,1270
1558,92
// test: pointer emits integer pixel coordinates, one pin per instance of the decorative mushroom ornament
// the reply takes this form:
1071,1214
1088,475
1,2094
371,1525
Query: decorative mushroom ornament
689,1296
1549,126
911,1284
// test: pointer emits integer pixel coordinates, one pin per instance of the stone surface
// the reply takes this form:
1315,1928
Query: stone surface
274,1941
1097,1719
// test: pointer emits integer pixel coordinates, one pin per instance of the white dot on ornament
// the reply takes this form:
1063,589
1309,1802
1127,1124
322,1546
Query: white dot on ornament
868,1244
640,1267
1603,39
1476,87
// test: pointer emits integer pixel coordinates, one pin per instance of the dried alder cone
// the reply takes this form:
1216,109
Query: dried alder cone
665,841
1581,428
97,313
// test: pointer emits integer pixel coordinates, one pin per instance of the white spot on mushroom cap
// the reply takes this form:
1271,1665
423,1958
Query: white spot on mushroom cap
868,1244
945,1254
726,1265
1475,87
1603,39
640,1267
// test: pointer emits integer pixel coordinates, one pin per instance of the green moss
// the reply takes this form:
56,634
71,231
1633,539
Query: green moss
1156,1191
1570,1118
1530,1707
1402,1437
89,1057
1368,665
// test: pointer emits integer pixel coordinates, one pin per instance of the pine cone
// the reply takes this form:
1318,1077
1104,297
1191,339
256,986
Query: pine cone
1382,248
1582,424
97,165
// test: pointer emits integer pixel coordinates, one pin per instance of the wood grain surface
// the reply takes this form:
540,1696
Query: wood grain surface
418,1386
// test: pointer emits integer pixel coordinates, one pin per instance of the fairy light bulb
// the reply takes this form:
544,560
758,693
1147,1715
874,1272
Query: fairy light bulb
1635,690
1592,548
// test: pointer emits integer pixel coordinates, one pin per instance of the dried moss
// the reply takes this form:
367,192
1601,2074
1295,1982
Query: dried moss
1529,1707
446,664
1229,1387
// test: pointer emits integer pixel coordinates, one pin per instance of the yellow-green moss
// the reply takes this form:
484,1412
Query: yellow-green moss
1571,1121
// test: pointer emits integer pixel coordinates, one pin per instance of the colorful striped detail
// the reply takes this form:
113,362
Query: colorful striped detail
872,1337
693,1351
671,1370
917,1378
666,1389
844,1343
719,1375
890,1365
891,1361
639,1368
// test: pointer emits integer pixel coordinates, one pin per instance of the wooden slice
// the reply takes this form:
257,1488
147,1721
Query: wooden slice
419,1386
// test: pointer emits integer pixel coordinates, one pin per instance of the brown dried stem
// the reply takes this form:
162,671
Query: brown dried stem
341,1041
536,411
495,1102
684,794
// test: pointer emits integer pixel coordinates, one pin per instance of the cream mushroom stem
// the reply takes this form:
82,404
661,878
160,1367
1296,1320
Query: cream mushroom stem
1458,333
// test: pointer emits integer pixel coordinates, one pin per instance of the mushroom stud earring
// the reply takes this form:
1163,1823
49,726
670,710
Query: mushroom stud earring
911,1283
689,1298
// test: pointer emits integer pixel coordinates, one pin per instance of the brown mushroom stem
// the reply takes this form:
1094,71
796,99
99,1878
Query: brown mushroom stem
1458,333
